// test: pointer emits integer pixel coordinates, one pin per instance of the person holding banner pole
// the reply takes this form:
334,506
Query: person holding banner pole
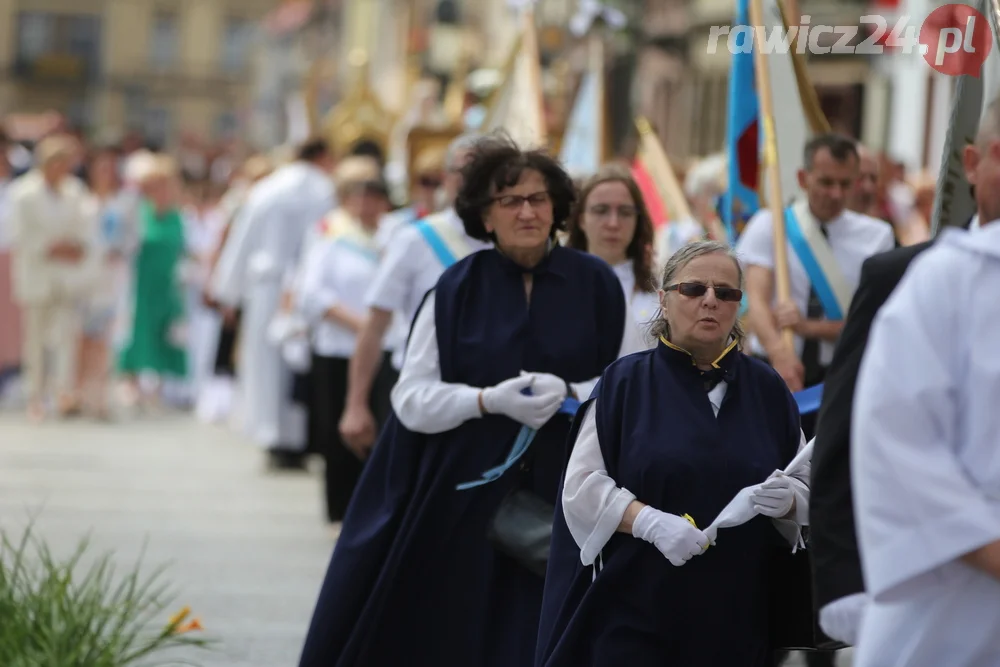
828,245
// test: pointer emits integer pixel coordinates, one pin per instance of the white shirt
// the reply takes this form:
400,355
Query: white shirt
408,270
336,272
853,238
594,504
645,306
425,404
925,449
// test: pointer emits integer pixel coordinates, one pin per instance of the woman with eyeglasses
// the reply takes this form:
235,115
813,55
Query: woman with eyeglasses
432,567
670,437
610,220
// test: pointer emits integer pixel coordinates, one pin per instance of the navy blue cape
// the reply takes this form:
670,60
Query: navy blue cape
413,579
661,440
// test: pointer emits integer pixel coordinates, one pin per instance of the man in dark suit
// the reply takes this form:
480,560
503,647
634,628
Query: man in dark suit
833,544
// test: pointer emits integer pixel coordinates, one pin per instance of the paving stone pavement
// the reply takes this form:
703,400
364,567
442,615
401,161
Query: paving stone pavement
246,549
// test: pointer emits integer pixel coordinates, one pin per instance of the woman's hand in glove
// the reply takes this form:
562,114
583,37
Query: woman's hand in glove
775,498
532,410
674,536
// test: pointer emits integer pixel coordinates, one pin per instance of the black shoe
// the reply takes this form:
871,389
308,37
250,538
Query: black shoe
283,459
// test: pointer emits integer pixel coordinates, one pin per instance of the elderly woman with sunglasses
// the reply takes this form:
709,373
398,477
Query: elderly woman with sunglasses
507,335
669,438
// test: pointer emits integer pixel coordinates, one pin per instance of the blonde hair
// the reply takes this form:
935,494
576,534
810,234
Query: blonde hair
660,326
161,167
354,171
55,147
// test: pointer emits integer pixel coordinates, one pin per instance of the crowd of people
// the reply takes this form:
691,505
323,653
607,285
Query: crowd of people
486,372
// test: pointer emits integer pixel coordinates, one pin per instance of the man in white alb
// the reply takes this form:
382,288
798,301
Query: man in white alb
926,447
827,244
253,269
414,259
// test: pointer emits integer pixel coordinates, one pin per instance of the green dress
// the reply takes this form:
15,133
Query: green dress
158,299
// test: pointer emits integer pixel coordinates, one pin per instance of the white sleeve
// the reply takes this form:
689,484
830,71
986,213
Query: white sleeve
632,341
394,279
228,280
423,403
592,502
918,506
755,246
791,529
314,295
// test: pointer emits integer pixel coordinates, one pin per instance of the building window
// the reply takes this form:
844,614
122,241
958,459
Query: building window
237,44
163,42
157,125
227,124
62,46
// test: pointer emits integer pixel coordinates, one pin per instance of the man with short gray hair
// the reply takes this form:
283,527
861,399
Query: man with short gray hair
414,259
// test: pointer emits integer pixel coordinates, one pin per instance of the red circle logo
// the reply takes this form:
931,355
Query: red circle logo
955,39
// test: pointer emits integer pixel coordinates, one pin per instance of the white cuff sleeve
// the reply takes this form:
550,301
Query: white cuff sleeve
593,504
421,400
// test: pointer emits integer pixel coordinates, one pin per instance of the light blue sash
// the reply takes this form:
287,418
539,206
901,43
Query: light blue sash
368,253
521,443
437,244
816,275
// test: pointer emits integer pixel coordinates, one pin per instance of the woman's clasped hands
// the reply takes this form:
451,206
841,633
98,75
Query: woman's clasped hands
676,537
534,409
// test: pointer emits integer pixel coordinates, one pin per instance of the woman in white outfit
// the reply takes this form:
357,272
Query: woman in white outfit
610,220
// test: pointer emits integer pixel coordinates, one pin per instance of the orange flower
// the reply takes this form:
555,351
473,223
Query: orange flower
193,625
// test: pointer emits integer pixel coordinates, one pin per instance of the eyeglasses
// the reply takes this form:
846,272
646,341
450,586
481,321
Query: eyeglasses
515,202
429,182
604,211
695,290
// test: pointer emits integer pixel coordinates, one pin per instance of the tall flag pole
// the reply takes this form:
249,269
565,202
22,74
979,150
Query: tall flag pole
773,169
953,201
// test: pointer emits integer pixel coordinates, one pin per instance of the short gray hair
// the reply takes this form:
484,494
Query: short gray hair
461,143
674,265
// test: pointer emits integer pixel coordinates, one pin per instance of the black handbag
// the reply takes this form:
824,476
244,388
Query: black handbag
794,622
522,529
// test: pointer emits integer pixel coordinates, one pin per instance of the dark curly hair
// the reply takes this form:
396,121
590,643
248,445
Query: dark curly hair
641,239
496,163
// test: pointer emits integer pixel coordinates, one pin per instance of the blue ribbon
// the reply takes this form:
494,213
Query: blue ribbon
521,443
437,244
809,399
812,267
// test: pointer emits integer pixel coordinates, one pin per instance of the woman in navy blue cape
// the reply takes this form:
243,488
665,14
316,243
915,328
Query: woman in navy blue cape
414,579
672,435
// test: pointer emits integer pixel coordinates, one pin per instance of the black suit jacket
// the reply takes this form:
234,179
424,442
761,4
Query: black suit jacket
833,544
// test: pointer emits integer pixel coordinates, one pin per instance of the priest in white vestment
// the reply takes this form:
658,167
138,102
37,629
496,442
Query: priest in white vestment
926,448
258,257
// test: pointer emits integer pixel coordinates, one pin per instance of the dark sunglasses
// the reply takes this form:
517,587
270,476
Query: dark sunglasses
697,289
429,182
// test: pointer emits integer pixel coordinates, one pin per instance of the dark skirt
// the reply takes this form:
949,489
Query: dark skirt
327,399
225,364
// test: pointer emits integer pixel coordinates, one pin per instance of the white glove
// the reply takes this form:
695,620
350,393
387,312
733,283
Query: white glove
841,619
674,536
775,497
531,410
545,384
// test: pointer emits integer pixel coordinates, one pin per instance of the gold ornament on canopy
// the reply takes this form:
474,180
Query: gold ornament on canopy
360,116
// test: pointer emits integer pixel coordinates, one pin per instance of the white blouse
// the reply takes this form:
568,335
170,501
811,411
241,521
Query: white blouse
426,404
645,305
594,504
336,272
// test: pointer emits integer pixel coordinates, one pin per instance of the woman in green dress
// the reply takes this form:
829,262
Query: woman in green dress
156,347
